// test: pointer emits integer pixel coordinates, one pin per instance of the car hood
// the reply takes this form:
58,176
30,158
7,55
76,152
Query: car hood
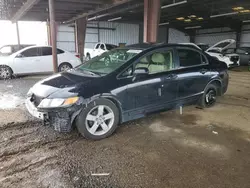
222,45
4,60
60,85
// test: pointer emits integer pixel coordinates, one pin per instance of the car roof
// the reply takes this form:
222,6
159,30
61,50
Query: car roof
144,46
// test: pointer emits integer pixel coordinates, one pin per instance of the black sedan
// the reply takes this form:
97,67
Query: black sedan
125,84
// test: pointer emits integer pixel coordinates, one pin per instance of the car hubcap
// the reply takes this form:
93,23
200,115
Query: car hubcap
100,120
65,68
4,72
210,97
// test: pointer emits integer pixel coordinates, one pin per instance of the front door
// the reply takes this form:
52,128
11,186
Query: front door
28,61
193,73
159,87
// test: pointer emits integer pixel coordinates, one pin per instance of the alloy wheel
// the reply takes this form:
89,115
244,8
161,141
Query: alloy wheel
210,98
99,120
5,72
65,68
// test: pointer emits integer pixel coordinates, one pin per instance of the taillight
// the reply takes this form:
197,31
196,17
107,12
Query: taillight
77,55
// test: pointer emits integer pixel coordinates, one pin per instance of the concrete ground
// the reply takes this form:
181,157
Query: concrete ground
201,148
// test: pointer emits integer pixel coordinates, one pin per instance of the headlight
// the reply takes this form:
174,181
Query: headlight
53,103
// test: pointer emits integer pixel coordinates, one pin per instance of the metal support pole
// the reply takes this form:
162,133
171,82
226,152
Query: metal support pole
81,26
18,35
53,34
238,39
152,9
167,35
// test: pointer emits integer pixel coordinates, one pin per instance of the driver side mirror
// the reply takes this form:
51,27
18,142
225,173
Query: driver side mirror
19,56
140,73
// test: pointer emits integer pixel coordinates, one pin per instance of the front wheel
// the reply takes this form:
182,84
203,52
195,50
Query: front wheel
98,120
209,97
5,72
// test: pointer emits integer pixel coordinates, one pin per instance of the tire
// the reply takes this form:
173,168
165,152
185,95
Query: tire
5,72
64,67
91,121
209,97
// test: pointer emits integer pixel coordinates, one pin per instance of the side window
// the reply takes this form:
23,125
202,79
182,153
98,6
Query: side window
189,57
60,51
102,47
240,51
157,62
46,51
32,52
97,46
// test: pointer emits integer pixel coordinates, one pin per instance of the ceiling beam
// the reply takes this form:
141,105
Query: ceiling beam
25,8
116,3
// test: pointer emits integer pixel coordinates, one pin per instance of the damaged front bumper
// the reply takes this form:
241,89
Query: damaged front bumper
60,118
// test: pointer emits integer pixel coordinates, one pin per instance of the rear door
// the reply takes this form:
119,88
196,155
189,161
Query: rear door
28,61
193,73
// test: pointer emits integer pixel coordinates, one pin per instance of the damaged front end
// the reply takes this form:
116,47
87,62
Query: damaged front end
59,113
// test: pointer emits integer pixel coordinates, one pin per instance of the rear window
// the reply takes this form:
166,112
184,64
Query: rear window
46,51
110,46
189,58
59,51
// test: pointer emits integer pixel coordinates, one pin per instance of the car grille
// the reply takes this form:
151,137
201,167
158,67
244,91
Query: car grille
234,59
36,100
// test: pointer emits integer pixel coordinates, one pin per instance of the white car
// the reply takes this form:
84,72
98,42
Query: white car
35,60
98,50
232,60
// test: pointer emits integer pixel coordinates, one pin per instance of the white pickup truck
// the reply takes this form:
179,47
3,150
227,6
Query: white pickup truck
98,50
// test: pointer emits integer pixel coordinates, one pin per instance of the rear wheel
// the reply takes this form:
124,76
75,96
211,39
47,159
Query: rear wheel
64,67
209,97
5,72
98,120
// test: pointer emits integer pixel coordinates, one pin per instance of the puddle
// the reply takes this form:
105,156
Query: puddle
9,101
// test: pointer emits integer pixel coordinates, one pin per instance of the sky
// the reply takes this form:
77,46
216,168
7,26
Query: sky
30,33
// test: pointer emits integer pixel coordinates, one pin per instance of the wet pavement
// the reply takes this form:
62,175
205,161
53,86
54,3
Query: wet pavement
201,148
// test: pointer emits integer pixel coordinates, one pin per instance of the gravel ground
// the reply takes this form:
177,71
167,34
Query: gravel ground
201,148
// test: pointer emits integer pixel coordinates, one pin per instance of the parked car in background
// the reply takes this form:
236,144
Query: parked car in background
243,52
7,50
35,59
231,59
98,50
150,77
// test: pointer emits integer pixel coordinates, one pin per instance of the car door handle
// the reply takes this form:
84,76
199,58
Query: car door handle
203,71
171,76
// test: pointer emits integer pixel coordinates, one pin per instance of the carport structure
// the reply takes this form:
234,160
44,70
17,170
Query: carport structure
187,16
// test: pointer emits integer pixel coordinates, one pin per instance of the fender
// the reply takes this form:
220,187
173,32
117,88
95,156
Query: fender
213,80
108,96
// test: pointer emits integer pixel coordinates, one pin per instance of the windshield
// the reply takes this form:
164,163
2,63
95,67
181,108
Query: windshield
108,61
